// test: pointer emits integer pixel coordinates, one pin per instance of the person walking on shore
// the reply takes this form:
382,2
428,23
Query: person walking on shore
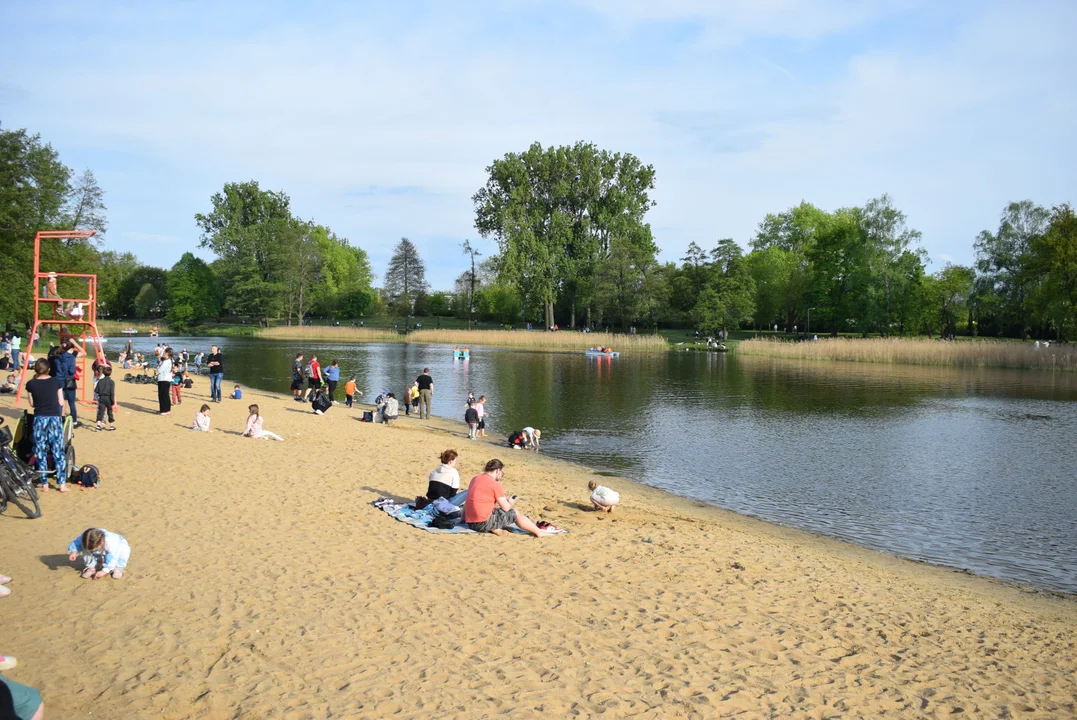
297,377
216,373
425,384
314,376
332,377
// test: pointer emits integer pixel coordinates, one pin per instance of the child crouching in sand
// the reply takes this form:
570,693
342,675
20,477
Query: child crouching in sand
201,419
254,426
100,547
602,497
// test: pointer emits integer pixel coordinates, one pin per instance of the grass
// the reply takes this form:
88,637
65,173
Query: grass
970,354
534,340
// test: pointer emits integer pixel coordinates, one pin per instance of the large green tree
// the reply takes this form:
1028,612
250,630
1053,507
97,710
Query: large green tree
1003,263
555,214
192,292
248,228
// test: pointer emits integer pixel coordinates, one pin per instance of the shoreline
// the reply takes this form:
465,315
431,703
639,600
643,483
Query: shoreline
262,583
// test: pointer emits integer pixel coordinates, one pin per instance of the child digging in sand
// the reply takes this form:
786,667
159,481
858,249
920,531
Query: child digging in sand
254,426
100,547
602,497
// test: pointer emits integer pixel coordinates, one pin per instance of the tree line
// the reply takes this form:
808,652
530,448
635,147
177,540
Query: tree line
574,249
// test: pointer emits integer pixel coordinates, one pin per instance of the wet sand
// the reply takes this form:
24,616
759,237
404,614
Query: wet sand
262,584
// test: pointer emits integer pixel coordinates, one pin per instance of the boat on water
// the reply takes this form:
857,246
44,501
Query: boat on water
459,354
128,331
602,353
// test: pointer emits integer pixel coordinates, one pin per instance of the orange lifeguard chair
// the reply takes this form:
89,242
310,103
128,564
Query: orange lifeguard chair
48,310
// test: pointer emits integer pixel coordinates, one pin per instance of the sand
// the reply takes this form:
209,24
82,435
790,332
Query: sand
262,584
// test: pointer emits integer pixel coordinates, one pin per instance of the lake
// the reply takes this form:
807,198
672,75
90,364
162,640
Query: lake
972,469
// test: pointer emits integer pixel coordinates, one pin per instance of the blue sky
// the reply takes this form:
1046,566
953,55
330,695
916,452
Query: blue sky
379,119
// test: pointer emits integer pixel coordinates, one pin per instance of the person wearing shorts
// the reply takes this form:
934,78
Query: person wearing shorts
20,701
297,377
314,376
488,509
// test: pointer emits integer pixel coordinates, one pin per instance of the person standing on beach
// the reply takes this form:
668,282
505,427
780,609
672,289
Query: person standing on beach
47,401
297,377
314,376
425,383
16,343
164,383
216,373
332,377
64,366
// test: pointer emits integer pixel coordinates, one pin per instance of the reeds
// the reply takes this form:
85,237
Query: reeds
323,332
113,327
536,340
972,353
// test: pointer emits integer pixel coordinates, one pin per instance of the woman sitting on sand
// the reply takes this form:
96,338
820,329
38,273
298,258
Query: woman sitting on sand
444,480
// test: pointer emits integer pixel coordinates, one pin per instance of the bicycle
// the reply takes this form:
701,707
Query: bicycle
16,480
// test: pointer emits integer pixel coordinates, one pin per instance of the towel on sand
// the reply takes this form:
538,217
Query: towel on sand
421,518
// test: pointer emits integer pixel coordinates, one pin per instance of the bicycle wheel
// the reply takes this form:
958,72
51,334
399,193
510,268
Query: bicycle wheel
20,490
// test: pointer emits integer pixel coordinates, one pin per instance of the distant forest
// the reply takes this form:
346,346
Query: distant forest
574,249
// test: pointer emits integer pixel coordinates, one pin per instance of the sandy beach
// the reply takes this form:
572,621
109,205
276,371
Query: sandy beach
263,584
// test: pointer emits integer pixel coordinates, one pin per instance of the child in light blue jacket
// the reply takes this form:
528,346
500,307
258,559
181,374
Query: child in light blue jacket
97,546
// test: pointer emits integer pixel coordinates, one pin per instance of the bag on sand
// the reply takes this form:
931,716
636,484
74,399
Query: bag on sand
321,402
368,416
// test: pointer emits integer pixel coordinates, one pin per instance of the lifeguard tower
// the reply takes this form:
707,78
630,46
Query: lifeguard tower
75,316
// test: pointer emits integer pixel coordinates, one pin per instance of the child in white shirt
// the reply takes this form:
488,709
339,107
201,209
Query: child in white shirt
201,419
602,497
99,546
254,426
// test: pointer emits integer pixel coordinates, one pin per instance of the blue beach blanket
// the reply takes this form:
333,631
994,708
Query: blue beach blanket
421,518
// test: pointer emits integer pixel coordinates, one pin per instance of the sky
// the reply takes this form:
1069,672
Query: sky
380,119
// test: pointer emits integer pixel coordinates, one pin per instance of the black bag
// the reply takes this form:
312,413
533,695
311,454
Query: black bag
368,416
442,522
88,476
70,384
321,402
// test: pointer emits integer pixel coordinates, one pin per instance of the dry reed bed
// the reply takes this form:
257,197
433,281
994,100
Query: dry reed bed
976,353
465,338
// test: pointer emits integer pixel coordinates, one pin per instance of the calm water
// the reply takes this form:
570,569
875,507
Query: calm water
969,469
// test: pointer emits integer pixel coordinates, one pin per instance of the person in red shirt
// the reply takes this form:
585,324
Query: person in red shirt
488,509
314,376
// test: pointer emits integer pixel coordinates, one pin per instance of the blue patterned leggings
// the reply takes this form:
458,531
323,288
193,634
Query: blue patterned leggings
49,437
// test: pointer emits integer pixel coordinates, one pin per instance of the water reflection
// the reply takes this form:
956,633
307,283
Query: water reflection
967,468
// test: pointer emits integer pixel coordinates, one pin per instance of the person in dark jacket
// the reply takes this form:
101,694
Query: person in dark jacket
64,366
106,398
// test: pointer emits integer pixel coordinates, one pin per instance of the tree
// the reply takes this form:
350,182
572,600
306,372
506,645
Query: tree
113,269
147,302
471,280
86,205
34,187
952,287
302,267
1002,259
191,292
249,228
405,278
728,296
133,285
554,213
1054,262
